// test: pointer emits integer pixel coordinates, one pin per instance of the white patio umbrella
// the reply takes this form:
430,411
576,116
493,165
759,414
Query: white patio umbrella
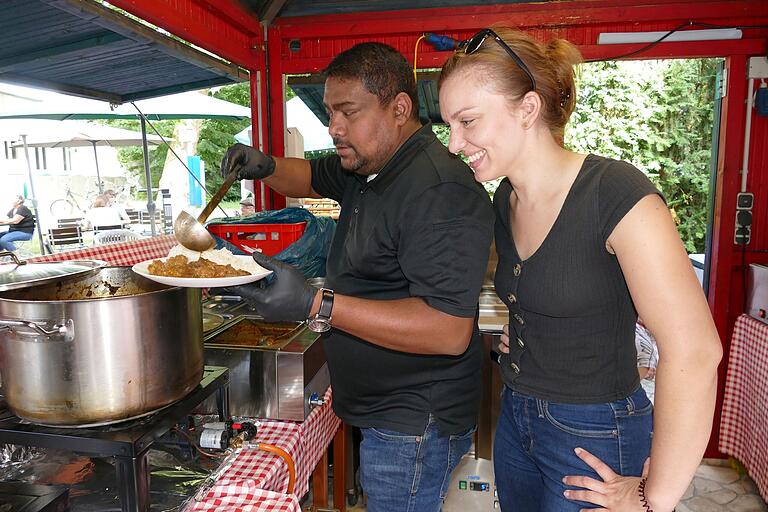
51,134
72,134
188,105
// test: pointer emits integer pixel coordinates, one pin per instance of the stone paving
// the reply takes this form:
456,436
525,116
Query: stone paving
718,488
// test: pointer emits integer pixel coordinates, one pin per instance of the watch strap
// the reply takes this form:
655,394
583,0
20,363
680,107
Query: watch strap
326,304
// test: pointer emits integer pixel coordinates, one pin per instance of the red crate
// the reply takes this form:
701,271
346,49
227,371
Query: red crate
270,239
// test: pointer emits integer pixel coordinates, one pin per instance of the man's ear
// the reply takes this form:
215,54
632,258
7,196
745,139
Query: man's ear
402,107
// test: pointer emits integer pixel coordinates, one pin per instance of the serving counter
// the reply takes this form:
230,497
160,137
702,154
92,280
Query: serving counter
250,479
744,423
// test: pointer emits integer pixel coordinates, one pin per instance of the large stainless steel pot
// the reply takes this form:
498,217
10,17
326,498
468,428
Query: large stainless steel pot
100,349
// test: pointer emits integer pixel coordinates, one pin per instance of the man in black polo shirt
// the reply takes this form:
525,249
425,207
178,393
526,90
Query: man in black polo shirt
21,225
403,276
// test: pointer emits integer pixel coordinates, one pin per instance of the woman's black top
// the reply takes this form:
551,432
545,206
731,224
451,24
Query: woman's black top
27,224
572,320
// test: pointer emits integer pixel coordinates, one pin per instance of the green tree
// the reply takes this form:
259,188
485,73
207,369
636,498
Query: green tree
683,147
659,116
217,135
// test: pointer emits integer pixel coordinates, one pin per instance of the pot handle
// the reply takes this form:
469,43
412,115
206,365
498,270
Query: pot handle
13,256
66,329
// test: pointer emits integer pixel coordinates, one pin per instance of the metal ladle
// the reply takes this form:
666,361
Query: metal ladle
190,231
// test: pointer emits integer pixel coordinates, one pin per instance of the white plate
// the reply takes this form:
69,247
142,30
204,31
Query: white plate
200,282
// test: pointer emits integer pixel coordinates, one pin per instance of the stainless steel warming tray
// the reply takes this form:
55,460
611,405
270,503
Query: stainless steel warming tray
277,370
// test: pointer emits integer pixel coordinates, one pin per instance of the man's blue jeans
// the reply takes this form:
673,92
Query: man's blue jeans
7,239
407,473
535,439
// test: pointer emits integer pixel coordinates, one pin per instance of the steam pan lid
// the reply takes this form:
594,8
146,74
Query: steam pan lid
17,275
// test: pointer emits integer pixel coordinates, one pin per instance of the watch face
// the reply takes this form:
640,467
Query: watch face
318,324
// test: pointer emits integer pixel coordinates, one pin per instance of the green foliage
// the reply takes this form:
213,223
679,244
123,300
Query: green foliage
317,153
217,135
657,115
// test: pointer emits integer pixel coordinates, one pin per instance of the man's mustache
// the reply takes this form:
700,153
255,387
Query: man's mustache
340,142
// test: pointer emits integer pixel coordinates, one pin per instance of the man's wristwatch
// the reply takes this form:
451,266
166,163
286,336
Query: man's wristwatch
321,322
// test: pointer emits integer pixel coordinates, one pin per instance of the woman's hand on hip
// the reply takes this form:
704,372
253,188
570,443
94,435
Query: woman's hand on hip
614,493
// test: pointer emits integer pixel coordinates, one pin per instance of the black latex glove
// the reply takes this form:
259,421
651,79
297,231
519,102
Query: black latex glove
285,296
250,163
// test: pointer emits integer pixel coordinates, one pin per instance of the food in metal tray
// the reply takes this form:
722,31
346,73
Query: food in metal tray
254,333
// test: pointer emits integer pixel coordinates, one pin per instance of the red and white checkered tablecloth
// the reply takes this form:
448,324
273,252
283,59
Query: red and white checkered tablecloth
122,254
258,481
744,423
245,498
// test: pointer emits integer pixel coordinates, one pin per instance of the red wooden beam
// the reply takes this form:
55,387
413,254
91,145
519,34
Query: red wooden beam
201,25
233,13
276,108
684,50
724,282
522,15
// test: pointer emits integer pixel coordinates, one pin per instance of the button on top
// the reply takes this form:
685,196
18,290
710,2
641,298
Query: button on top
514,367
511,297
356,209
517,269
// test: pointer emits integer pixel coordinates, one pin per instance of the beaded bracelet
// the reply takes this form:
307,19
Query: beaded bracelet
641,493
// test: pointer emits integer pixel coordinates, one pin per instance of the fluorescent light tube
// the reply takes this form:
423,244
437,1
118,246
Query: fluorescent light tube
681,35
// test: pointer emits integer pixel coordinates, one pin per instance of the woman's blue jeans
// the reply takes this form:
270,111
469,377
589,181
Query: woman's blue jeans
535,439
7,239
407,473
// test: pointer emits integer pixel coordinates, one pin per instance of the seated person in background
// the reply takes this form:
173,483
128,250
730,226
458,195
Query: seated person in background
112,201
247,207
21,225
101,214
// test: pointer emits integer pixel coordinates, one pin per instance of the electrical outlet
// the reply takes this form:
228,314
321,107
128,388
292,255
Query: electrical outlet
742,235
744,218
743,227
744,200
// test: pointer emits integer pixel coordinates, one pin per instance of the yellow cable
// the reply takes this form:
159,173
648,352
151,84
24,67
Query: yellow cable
415,55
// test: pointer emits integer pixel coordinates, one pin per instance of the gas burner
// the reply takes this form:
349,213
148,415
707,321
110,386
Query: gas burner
128,442
132,422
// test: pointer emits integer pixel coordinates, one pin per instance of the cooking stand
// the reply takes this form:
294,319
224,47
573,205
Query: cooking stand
128,443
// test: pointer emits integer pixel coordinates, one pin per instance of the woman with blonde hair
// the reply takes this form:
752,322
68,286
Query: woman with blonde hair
102,215
585,243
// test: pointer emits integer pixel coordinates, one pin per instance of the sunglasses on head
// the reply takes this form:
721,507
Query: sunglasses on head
474,43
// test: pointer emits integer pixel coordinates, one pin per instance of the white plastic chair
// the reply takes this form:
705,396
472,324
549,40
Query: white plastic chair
114,236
